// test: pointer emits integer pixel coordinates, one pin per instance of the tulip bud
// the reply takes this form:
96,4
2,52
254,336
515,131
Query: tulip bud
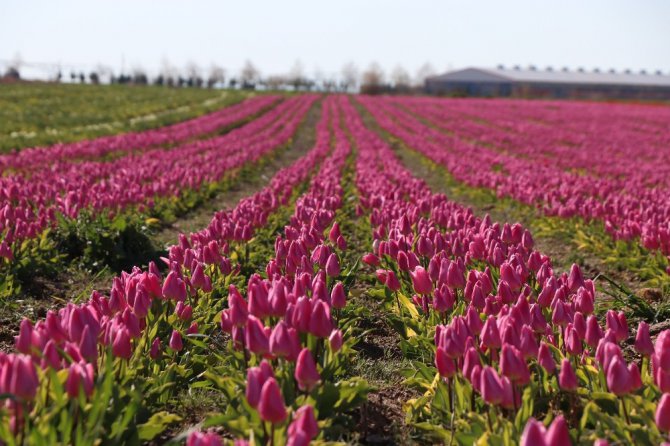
558,433
421,281
155,351
271,406
204,439
643,344
335,340
333,266
337,296
305,371
567,379
533,434
663,413
176,343
304,422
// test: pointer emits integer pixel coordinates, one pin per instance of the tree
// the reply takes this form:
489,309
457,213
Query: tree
94,78
372,80
275,82
139,77
12,73
217,75
349,79
249,76
194,78
401,80
426,70
296,76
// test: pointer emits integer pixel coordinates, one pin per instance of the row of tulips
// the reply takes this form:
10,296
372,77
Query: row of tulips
71,360
288,318
538,164
32,204
512,340
33,159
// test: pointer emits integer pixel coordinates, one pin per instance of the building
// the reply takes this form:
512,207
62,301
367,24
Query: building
550,83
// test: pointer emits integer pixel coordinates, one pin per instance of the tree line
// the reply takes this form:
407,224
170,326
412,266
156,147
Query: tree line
371,80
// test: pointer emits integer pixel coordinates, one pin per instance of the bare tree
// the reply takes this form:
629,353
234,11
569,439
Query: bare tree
14,68
426,70
296,77
217,76
349,79
104,72
193,75
401,79
169,73
275,82
329,82
249,75
139,76
372,80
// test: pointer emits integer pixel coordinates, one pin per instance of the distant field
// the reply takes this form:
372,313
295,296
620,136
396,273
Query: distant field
42,114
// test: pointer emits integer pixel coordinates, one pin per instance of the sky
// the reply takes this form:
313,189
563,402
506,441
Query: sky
324,36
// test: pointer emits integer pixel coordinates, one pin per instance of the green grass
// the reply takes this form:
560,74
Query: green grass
37,114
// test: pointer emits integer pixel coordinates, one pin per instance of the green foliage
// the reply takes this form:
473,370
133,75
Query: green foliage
95,241
41,114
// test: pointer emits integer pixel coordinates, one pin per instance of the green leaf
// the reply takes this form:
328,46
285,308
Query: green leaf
156,425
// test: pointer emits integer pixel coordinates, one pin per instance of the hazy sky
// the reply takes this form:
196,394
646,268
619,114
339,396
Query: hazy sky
326,35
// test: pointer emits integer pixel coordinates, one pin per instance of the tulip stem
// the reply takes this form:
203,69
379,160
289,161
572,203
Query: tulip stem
488,413
625,411
397,299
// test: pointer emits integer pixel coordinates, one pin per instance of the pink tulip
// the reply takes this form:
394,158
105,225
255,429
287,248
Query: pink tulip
304,421
338,297
558,433
80,376
490,337
174,287
643,344
305,371
204,439
575,279
445,365
333,266
421,281
335,340
320,324
491,387
545,358
663,413
23,342
23,380
567,379
155,351
176,343
271,406
618,377
121,347
533,434
256,339
282,343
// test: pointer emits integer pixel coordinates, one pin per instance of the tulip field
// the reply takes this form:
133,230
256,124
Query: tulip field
347,295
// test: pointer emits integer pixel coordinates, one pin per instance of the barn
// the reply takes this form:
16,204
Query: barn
550,83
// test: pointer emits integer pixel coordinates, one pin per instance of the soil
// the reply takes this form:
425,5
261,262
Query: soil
381,420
